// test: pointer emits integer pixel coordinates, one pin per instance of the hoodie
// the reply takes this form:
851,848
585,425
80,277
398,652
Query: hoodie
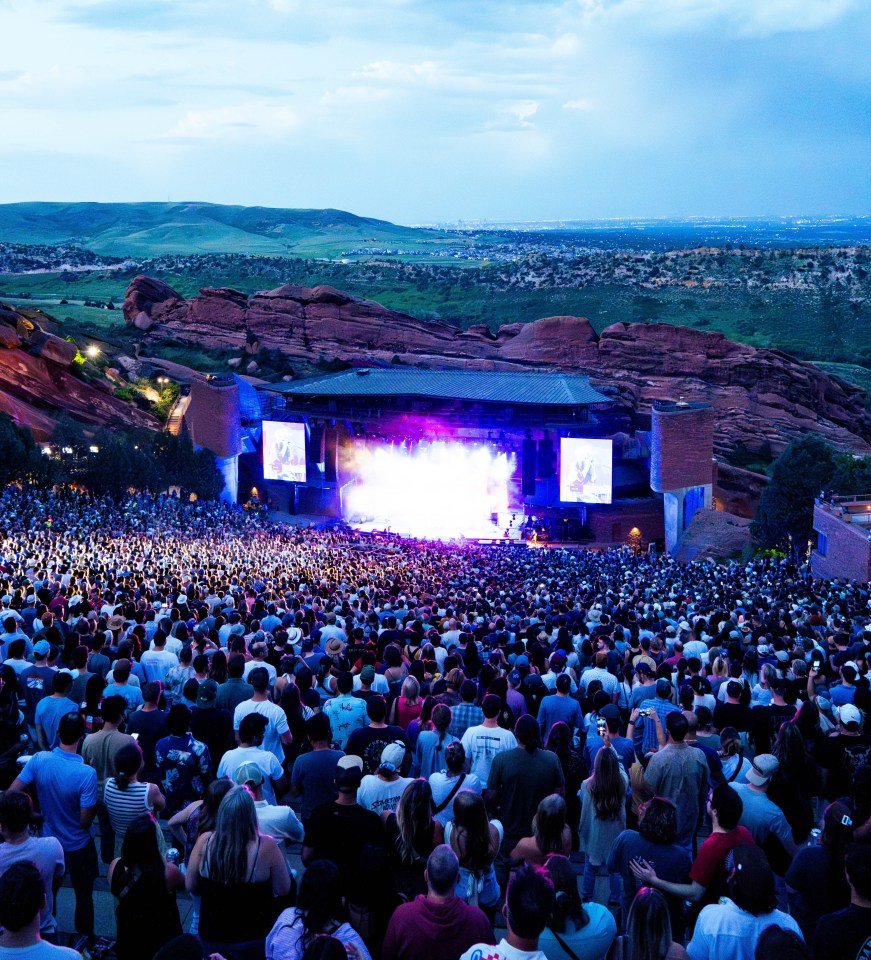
430,930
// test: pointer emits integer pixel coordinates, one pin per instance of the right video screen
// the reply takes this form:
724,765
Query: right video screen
585,470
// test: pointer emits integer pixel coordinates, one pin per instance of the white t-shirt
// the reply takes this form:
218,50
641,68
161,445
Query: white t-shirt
482,744
253,664
442,785
278,822
378,795
502,951
277,724
157,664
269,767
725,932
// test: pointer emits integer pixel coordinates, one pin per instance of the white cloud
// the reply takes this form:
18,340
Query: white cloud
515,116
581,104
265,119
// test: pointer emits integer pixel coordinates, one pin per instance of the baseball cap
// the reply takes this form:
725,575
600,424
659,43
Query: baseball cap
514,677
248,772
610,712
367,674
207,693
849,713
349,762
522,661
41,647
764,767
392,756
782,656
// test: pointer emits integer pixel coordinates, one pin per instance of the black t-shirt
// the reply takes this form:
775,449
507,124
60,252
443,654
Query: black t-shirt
353,838
845,935
368,743
151,726
841,754
766,723
214,728
732,715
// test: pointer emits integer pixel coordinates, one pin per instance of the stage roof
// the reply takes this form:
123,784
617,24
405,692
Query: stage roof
540,389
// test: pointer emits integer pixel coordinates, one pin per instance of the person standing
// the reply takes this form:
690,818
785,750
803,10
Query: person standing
67,792
484,742
680,773
846,934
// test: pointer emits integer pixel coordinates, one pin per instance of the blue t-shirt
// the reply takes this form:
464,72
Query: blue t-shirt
48,714
133,695
623,747
64,786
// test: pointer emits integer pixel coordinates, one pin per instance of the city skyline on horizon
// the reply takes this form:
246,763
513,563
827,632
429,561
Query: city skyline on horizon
538,111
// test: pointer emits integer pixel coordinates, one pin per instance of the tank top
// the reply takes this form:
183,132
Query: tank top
125,806
223,904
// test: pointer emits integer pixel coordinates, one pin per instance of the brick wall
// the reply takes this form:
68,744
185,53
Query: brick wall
682,447
613,523
848,552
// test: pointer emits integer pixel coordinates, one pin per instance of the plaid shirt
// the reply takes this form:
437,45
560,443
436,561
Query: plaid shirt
663,708
464,715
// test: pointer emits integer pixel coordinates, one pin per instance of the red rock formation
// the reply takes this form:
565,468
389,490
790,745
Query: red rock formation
36,384
763,398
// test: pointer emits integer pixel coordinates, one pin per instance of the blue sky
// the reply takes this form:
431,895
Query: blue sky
431,110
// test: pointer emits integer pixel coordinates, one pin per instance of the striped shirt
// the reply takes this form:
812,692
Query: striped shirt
124,806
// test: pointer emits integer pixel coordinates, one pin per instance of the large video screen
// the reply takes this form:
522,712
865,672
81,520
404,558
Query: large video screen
283,451
585,470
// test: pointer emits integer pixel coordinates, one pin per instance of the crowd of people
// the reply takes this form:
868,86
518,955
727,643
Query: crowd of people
188,693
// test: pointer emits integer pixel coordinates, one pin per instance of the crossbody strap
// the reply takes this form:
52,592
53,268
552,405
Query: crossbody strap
451,795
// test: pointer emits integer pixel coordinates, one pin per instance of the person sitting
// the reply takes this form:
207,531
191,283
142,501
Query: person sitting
437,925
22,900
732,927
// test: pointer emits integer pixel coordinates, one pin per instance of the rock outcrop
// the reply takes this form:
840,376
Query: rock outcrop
37,383
763,398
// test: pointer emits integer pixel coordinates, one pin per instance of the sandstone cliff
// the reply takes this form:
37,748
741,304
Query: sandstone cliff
37,383
763,398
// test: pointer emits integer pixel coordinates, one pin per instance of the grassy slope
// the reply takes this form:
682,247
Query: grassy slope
150,229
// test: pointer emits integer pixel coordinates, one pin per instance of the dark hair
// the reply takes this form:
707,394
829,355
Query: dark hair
16,810
22,895
455,757
208,810
128,762
567,901
140,850
527,733
677,726
235,665
345,682
658,823
259,679
728,804
178,720
648,927
320,900
564,683
151,691
491,705
751,884
70,730
777,943
376,709
529,901
317,727
252,726
112,708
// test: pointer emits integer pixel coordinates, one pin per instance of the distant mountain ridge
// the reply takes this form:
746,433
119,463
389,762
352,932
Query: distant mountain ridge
149,229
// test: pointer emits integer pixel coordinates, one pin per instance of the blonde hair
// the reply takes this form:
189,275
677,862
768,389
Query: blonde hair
235,831
411,690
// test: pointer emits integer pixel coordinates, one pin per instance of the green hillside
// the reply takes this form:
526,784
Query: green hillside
153,229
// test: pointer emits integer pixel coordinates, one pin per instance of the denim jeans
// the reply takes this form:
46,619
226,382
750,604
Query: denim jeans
591,871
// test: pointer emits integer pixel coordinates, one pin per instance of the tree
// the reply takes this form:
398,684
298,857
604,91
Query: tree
784,519
17,450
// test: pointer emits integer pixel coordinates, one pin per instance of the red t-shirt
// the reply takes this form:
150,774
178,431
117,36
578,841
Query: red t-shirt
709,867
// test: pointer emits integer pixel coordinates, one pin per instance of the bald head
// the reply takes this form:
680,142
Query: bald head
441,871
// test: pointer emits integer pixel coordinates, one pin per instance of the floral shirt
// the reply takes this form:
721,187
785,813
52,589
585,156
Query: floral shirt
186,769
